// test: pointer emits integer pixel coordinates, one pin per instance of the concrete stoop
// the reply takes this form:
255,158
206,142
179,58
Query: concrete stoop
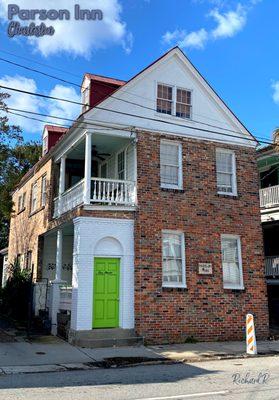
97,338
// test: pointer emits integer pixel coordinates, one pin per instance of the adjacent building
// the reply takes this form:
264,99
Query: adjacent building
268,164
144,217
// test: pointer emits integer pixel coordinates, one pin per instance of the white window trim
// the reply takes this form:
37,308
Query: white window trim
35,199
234,182
174,95
241,285
183,258
123,150
43,190
180,166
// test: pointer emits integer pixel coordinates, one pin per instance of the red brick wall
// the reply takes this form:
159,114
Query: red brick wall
205,309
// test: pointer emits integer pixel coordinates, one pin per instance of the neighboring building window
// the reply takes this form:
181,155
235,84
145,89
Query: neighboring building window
171,164
183,103
28,260
34,197
43,191
21,202
164,99
231,262
226,172
121,165
174,274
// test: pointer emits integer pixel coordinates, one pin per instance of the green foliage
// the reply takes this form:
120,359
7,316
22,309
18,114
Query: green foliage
16,158
14,296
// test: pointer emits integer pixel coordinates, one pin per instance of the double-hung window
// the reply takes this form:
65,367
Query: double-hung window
21,202
231,262
164,99
174,101
173,256
43,191
226,172
183,103
171,164
34,197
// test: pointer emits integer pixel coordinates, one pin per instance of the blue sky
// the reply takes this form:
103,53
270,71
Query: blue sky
234,45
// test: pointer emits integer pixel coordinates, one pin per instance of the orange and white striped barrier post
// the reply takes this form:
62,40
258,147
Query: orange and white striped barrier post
251,344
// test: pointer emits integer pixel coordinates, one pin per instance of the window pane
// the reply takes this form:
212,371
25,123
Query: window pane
224,167
183,111
164,99
172,258
230,261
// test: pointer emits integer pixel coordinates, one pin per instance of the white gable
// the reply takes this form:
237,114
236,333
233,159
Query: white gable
172,69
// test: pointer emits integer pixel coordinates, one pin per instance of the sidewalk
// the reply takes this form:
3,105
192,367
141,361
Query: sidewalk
50,354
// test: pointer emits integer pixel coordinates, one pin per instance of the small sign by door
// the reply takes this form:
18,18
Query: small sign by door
205,268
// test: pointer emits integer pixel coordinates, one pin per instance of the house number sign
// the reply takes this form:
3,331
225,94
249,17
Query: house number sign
205,268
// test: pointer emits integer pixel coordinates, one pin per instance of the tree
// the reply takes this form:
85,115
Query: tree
16,158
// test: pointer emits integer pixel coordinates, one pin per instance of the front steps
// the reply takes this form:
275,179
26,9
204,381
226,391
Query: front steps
96,338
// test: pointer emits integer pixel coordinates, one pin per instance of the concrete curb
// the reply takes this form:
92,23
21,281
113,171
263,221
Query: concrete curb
46,368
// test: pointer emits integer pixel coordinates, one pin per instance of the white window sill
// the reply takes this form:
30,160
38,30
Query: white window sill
228,194
231,287
164,286
173,117
175,187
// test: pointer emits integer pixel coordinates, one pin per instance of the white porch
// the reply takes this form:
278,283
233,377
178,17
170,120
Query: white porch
98,170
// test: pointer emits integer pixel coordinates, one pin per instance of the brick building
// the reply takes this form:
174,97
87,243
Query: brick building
143,217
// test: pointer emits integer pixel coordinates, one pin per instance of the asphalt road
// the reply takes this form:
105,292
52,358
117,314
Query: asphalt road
255,379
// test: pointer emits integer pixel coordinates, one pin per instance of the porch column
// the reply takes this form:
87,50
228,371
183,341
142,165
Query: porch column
87,168
55,287
61,183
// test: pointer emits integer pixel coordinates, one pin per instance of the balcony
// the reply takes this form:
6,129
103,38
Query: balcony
100,170
272,266
269,197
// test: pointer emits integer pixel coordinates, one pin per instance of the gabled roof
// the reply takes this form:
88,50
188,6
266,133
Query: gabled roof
54,128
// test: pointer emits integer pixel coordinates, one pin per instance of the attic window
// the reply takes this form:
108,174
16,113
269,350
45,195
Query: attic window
164,99
183,103
45,144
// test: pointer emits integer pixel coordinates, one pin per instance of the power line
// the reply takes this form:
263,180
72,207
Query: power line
112,96
130,115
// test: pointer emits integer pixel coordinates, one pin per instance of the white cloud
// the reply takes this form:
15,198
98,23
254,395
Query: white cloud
229,23
275,95
195,39
62,108
23,101
79,38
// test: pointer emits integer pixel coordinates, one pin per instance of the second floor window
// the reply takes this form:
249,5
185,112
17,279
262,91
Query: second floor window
121,165
171,164
226,172
43,191
164,99
34,197
21,202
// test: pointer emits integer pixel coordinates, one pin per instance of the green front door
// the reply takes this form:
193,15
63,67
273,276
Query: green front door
106,293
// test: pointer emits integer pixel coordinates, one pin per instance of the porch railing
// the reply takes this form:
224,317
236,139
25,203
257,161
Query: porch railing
269,197
69,199
65,298
272,266
113,191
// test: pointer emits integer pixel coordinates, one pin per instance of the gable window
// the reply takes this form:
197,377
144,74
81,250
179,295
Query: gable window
226,172
34,197
85,98
121,165
173,259
164,99
43,191
171,164
21,202
183,103
45,144
231,262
